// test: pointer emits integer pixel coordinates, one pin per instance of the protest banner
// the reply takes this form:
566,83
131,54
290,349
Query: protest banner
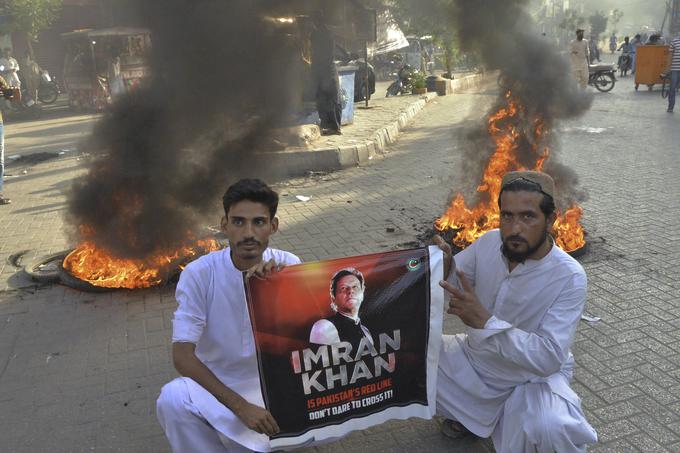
349,343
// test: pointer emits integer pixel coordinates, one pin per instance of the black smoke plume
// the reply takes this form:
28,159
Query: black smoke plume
503,35
222,77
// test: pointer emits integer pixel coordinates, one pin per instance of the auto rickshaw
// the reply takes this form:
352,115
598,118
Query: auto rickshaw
651,62
103,64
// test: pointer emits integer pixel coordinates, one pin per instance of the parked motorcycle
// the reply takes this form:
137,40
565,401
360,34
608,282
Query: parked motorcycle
48,90
387,65
602,77
402,84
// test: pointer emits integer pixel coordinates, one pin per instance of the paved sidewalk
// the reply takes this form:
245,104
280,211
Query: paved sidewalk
81,372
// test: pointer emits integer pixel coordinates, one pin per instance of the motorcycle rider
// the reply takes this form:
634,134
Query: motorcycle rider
627,52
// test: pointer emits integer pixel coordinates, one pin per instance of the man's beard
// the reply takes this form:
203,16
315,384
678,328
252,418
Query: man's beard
520,257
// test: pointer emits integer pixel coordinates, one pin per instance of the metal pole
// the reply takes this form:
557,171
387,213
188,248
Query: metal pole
366,89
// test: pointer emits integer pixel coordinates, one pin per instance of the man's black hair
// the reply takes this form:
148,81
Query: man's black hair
343,273
252,190
547,204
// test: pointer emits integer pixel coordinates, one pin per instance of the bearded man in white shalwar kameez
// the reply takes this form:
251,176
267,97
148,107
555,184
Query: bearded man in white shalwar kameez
521,297
217,406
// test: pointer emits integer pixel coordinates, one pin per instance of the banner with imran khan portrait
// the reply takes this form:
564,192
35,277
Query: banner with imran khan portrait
349,343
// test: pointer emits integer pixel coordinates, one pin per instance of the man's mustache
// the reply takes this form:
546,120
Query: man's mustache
516,239
249,242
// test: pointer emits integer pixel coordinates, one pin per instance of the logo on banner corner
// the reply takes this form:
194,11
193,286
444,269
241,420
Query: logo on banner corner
413,264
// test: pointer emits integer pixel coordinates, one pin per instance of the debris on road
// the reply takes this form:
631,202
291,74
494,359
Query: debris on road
590,319
303,198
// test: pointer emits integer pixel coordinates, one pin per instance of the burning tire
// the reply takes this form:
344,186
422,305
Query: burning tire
49,269
578,253
66,279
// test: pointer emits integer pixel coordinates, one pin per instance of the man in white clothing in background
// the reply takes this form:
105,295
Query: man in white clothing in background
216,405
9,68
580,58
521,297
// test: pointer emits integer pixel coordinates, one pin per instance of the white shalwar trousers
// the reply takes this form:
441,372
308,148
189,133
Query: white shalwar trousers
543,416
185,427
581,75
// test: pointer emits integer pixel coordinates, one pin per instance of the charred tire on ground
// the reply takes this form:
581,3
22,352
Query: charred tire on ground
46,268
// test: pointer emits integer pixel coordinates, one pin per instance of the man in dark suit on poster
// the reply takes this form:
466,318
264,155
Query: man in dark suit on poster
347,294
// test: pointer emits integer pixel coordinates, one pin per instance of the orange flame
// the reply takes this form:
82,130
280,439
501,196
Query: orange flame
470,223
96,266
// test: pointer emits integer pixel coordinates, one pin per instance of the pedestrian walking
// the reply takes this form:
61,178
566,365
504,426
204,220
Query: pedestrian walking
635,43
325,77
578,51
675,72
31,74
594,50
522,298
4,87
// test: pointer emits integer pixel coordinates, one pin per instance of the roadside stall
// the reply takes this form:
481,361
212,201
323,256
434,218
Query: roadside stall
651,63
103,64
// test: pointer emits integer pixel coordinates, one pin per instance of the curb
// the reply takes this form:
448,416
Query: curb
297,163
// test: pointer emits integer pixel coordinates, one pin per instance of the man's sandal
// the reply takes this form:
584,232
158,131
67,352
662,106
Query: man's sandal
454,430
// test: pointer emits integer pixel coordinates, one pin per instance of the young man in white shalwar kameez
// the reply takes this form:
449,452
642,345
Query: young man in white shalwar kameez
217,405
521,297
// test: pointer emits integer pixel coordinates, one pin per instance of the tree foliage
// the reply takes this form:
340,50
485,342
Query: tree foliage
424,17
30,16
598,24
429,17
572,20
614,18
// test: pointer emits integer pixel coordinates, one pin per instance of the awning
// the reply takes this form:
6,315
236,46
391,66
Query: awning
389,36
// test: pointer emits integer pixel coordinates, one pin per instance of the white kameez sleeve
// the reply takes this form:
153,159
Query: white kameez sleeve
544,351
190,317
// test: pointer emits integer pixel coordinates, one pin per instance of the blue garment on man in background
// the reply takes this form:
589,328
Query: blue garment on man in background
675,72
3,86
